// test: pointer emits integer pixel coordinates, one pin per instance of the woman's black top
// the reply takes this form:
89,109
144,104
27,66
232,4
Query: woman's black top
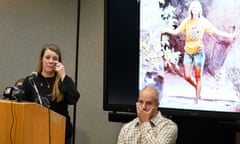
44,87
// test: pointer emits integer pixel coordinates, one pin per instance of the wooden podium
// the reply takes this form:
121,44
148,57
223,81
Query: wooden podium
30,123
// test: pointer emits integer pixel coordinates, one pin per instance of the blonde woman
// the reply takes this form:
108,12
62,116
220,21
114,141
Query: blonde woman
55,87
194,27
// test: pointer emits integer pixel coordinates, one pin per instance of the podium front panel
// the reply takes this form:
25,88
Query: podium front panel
30,123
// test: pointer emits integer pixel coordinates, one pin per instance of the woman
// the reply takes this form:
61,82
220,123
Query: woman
54,87
194,27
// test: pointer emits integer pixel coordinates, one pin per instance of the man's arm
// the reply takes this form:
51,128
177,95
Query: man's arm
121,136
165,135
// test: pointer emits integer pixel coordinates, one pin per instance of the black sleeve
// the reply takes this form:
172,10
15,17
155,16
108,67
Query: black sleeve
67,87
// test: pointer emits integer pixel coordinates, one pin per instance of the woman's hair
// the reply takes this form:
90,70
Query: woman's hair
193,3
56,94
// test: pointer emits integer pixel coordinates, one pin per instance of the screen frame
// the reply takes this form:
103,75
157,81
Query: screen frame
116,31
121,31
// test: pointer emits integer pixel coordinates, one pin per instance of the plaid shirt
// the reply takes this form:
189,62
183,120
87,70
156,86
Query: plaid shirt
159,130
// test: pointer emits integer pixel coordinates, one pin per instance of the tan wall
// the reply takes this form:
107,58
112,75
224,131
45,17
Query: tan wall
93,126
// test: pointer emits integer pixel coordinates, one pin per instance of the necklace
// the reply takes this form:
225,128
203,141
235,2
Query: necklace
48,85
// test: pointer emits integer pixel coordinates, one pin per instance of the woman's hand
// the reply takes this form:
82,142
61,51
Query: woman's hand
60,70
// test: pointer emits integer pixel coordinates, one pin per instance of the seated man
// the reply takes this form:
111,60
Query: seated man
150,127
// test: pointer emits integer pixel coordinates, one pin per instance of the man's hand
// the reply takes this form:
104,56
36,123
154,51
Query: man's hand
143,115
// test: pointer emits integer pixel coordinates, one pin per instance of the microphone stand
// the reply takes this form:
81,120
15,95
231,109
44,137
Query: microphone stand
36,90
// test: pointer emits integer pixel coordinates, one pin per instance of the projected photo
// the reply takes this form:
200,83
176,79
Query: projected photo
190,52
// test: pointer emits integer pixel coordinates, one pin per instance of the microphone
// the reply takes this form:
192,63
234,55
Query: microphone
13,93
32,81
34,74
